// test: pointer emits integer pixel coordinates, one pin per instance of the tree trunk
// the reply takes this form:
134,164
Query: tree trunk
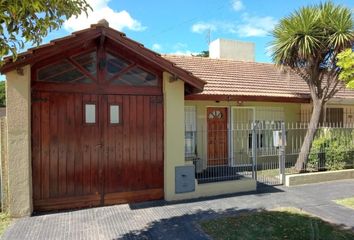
310,134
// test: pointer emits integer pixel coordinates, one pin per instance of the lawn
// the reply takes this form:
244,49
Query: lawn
277,224
4,222
346,202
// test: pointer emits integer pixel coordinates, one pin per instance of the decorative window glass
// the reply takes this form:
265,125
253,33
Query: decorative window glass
190,140
90,113
115,65
215,115
62,72
136,77
88,61
114,114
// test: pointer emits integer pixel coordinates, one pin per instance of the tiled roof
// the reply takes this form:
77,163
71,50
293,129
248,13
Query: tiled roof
238,78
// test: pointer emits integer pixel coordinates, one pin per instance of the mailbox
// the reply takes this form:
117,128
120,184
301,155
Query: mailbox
277,139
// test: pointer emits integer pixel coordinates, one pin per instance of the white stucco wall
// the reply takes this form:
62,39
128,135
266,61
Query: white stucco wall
232,49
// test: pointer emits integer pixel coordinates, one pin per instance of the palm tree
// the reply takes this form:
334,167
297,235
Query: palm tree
307,42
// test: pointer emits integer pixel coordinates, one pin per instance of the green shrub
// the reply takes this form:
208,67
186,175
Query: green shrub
331,150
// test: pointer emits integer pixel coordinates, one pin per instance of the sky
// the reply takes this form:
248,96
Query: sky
183,27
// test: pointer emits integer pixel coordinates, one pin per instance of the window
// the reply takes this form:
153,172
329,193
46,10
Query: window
334,116
66,72
215,115
114,114
259,140
115,65
136,77
90,113
190,138
62,72
88,61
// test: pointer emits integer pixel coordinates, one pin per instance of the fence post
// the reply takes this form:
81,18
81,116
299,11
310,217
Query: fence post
254,151
282,153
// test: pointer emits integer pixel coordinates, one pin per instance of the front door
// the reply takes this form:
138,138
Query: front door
217,136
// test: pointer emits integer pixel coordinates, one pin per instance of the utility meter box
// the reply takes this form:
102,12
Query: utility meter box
277,139
185,179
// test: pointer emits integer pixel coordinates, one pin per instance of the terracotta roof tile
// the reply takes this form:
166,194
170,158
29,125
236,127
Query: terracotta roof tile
237,78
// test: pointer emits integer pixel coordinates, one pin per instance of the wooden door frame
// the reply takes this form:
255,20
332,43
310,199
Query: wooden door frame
228,128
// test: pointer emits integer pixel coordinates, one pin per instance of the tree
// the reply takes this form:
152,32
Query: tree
31,20
346,63
307,42
202,54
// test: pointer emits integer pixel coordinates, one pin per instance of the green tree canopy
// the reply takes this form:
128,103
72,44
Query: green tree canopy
204,53
30,20
346,63
308,42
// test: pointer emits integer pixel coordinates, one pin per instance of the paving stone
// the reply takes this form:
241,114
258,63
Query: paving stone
162,220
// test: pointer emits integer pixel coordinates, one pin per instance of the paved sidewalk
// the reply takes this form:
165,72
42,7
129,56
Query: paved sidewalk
160,220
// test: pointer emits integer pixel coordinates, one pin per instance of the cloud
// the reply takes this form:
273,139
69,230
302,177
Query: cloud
156,47
180,45
202,27
119,20
184,53
248,26
237,5
254,26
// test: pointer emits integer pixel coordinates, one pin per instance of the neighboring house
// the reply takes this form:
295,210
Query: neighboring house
95,119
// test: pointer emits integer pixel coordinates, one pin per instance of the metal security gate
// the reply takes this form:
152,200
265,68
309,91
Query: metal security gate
268,152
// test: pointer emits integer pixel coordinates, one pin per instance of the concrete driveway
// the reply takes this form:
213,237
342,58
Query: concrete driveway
161,220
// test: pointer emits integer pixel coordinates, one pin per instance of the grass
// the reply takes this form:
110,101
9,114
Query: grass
288,223
4,222
346,202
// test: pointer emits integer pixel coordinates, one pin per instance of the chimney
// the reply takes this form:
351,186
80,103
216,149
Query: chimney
103,22
232,49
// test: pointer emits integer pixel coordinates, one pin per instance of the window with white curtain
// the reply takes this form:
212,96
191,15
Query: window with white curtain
190,136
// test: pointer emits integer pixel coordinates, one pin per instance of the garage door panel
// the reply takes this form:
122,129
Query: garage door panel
139,168
36,146
71,146
74,160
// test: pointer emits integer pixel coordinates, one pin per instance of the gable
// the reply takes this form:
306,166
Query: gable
95,36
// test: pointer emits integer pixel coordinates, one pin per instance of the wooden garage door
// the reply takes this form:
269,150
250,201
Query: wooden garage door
114,158
97,131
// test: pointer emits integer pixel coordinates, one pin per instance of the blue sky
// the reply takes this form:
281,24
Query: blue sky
181,27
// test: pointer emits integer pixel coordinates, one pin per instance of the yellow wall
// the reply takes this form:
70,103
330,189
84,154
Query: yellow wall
348,112
18,112
263,110
174,148
288,112
173,132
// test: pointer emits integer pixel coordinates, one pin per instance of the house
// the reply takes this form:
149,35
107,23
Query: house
96,118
